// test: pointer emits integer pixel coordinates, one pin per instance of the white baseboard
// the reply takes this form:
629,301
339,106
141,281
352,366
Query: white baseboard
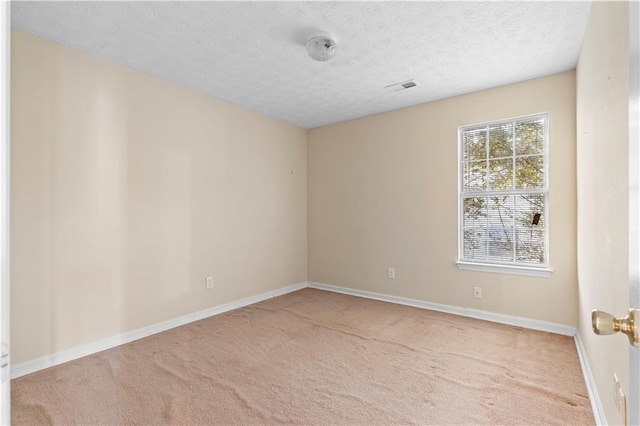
592,389
467,312
110,342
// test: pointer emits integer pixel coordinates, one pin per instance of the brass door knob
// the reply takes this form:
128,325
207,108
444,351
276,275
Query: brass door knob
605,323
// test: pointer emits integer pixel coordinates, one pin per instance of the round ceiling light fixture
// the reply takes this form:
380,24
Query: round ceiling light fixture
321,47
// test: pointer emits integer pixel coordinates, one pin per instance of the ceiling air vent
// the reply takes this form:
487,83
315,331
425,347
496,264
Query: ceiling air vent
401,86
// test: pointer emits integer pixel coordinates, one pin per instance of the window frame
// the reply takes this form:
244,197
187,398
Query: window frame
517,268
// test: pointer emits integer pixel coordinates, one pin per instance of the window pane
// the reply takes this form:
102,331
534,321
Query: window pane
527,206
501,174
530,137
500,216
500,211
500,245
530,172
530,246
475,243
474,176
475,212
474,143
501,140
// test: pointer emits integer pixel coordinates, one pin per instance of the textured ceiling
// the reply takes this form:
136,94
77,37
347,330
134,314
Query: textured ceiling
253,53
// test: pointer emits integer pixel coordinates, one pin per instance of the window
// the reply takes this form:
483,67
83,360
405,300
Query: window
504,196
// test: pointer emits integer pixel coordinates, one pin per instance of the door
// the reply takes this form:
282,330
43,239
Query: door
5,34
603,323
633,402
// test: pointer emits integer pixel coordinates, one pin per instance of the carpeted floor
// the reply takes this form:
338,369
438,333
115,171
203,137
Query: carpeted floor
315,357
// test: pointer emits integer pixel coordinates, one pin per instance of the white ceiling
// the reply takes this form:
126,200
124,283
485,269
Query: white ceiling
253,53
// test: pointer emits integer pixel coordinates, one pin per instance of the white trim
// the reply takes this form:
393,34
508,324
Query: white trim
533,324
504,120
633,394
113,341
509,191
5,176
589,380
388,298
504,269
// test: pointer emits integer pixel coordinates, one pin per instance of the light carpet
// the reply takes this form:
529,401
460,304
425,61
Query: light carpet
315,357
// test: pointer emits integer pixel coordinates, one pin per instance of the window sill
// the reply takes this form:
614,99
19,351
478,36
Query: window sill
505,269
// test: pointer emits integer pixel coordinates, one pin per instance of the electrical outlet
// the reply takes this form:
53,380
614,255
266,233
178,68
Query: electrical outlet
477,292
208,283
391,273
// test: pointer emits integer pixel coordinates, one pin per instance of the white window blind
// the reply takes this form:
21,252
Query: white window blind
504,192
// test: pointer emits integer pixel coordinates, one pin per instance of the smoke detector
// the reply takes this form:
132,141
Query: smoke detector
321,47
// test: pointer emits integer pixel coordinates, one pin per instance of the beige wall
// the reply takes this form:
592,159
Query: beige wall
383,193
128,191
602,159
